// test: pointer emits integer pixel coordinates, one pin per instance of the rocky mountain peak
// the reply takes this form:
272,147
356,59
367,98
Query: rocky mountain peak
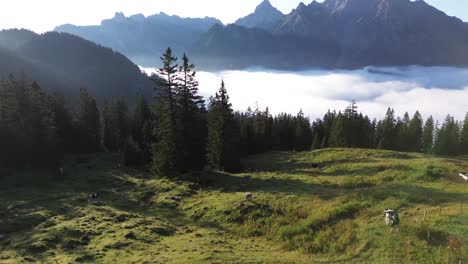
265,17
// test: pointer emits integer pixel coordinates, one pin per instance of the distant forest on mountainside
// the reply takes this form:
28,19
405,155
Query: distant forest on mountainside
64,62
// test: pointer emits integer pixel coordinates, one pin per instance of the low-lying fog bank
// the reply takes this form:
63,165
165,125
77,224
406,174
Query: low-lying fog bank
433,91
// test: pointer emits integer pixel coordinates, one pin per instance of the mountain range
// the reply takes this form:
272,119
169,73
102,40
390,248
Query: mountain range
67,62
343,34
144,39
331,34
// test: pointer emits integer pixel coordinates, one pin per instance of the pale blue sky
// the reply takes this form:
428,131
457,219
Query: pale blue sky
44,15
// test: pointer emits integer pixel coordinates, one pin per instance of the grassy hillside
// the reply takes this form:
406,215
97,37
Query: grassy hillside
323,206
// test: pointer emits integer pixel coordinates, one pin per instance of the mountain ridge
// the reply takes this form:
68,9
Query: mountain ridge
141,38
340,33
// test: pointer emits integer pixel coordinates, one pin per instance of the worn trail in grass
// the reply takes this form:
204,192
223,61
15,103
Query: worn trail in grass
314,207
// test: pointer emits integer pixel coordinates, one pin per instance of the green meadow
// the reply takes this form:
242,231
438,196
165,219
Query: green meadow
323,206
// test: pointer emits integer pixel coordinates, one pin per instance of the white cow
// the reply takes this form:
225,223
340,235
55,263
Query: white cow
391,219
464,176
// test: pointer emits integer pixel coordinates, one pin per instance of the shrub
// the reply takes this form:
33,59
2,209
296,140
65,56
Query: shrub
430,173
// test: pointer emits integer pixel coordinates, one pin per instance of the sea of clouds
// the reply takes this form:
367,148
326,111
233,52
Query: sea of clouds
436,91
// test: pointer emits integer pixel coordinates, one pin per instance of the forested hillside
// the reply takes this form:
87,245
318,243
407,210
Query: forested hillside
66,62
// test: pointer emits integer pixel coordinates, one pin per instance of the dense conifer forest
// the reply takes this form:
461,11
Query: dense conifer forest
177,131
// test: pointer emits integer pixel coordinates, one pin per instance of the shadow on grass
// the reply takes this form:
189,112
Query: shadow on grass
229,183
356,171
291,167
418,194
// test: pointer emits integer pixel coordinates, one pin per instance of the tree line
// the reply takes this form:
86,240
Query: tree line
179,132
409,134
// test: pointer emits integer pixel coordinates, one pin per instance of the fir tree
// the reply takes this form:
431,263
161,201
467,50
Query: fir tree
63,120
428,136
448,138
165,149
303,132
464,137
415,133
223,133
190,117
403,139
337,135
318,134
87,124
141,125
387,135
328,123
115,124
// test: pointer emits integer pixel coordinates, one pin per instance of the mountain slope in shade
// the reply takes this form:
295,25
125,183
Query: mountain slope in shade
265,17
398,32
360,32
313,20
67,62
144,39
237,47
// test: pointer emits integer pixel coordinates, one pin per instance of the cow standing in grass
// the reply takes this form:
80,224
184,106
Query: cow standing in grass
93,197
392,219
464,176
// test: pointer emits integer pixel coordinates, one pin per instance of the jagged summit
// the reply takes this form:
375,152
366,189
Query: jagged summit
265,17
119,15
265,5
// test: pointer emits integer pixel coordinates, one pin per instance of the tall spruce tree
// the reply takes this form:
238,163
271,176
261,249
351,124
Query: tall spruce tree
415,131
63,120
403,139
87,124
141,127
337,135
464,137
328,123
303,132
318,133
115,124
448,138
387,137
40,123
190,117
373,141
164,152
223,133
247,132
428,136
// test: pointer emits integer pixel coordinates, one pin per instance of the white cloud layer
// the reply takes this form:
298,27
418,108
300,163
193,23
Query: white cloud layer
435,91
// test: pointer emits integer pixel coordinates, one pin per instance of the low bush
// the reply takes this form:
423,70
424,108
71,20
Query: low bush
430,173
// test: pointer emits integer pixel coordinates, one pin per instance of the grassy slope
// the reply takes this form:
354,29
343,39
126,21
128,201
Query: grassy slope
322,206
